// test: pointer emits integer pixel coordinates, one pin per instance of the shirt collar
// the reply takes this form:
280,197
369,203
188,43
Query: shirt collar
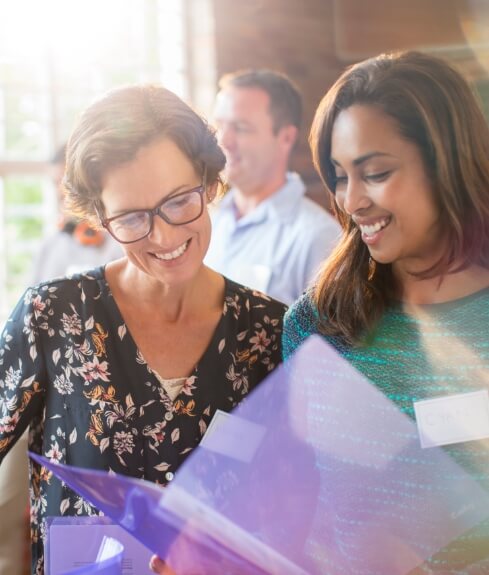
282,204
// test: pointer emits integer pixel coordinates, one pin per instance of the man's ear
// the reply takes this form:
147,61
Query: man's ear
211,191
288,136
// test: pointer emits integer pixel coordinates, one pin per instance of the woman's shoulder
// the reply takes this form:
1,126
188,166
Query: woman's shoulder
303,311
74,288
72,281
300,321
253,301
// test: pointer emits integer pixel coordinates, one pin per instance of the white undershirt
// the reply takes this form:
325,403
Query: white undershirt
172,386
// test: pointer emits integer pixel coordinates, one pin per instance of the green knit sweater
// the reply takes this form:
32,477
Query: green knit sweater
442,350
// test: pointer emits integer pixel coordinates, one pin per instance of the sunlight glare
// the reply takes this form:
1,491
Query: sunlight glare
71,32
83,38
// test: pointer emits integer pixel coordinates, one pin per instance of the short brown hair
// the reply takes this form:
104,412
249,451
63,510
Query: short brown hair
114,128
435,109
285,98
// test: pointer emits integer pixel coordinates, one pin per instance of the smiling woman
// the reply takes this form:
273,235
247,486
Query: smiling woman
402,144
123,367
403,148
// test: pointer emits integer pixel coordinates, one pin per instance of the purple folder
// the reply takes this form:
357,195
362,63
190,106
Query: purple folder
315,472
83,545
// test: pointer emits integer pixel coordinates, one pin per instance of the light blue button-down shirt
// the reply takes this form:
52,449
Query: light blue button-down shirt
278,247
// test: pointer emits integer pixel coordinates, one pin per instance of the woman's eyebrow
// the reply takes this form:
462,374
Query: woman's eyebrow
362,159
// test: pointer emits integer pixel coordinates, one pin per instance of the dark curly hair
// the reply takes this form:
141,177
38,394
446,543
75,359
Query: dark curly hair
114,128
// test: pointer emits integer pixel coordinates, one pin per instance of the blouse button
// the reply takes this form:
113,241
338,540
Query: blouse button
169,475
168,415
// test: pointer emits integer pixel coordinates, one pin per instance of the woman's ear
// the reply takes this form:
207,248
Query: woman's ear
211,191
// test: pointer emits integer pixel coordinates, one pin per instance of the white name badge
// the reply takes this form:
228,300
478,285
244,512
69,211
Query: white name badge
453,418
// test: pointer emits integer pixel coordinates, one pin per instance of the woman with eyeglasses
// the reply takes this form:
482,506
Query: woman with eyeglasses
123,368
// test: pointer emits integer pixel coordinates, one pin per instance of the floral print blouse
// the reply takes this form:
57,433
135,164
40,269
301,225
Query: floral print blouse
70,370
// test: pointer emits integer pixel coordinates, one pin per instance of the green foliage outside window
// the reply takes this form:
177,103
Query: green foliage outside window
22,191
24,227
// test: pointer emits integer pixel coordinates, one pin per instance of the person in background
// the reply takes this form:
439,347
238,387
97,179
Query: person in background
123,367
266,233
403,148
77,245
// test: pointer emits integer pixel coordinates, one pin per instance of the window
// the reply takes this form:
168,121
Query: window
55,57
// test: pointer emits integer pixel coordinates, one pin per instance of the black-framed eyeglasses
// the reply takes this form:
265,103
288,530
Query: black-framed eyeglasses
177,210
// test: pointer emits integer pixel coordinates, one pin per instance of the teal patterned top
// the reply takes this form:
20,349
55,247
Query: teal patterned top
441,350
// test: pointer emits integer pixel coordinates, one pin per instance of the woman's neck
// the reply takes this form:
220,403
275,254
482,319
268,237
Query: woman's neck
169,303
452,286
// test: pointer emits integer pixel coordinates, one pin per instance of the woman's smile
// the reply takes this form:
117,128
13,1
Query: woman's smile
174,254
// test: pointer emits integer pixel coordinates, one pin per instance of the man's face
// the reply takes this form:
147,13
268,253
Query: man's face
245,133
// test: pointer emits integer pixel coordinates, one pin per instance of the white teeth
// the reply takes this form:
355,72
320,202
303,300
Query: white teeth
374,228
174,254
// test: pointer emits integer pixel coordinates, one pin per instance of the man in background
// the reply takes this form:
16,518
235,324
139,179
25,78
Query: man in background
266,233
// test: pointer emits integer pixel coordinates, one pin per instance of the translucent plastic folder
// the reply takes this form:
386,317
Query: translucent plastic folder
93,545
315,472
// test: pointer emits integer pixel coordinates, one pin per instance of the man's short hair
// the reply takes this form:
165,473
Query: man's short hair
285,98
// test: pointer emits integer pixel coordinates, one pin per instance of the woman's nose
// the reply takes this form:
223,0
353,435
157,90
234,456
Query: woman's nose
354,197
162,231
